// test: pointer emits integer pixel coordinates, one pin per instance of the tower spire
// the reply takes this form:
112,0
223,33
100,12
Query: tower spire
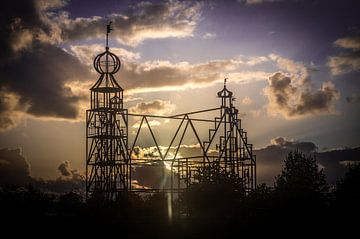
107,167
108,30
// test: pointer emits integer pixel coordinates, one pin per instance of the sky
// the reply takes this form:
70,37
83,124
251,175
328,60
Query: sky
293,66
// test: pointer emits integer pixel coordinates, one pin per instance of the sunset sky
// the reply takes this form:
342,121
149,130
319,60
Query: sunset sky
293,66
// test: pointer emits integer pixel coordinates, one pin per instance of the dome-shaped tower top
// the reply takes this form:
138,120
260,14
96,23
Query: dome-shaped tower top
225,93
107,62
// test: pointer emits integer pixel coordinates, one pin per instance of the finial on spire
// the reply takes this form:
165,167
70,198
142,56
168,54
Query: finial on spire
108,30
225,82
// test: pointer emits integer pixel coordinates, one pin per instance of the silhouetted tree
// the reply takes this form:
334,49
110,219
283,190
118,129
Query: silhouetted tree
217,195
24,206
70,204
259,203
347,192
156,206
301,189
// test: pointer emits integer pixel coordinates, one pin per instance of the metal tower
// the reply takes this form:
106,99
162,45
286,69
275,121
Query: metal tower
235,153
107,160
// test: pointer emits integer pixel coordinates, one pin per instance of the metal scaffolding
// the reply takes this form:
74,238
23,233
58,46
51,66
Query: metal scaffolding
110,162
107,159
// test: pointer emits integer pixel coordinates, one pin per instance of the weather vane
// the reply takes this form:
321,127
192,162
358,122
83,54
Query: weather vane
108,30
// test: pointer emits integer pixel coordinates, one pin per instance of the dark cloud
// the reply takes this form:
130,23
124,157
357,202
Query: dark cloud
353,98
14,168
291,99
39,74
32,70
38,77
15,17
141,21
335,162
153,107
64,169
307,147
270,159
152,176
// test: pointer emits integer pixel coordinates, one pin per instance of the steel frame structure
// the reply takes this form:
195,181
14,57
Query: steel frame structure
110,161
233,154
107,161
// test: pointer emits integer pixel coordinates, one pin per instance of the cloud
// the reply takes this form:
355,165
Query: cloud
145,20
255,113
307,147
136,185
348,42
247,101
152,176
39,76
257,2
156,107
353,98
21,39
151,123
186,150
66,171
164,75
14,168
296,69
291,101
336,161
255,60
87,53
34,72
346,61
270,158
158,75
209,35
292,94
10,114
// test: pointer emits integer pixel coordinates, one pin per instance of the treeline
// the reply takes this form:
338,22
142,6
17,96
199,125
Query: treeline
216,206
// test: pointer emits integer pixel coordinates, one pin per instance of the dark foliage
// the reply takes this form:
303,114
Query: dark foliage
216,196
301,190
347,194
216,206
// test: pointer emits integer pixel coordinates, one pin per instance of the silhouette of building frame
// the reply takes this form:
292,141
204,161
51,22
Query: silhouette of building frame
110,161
